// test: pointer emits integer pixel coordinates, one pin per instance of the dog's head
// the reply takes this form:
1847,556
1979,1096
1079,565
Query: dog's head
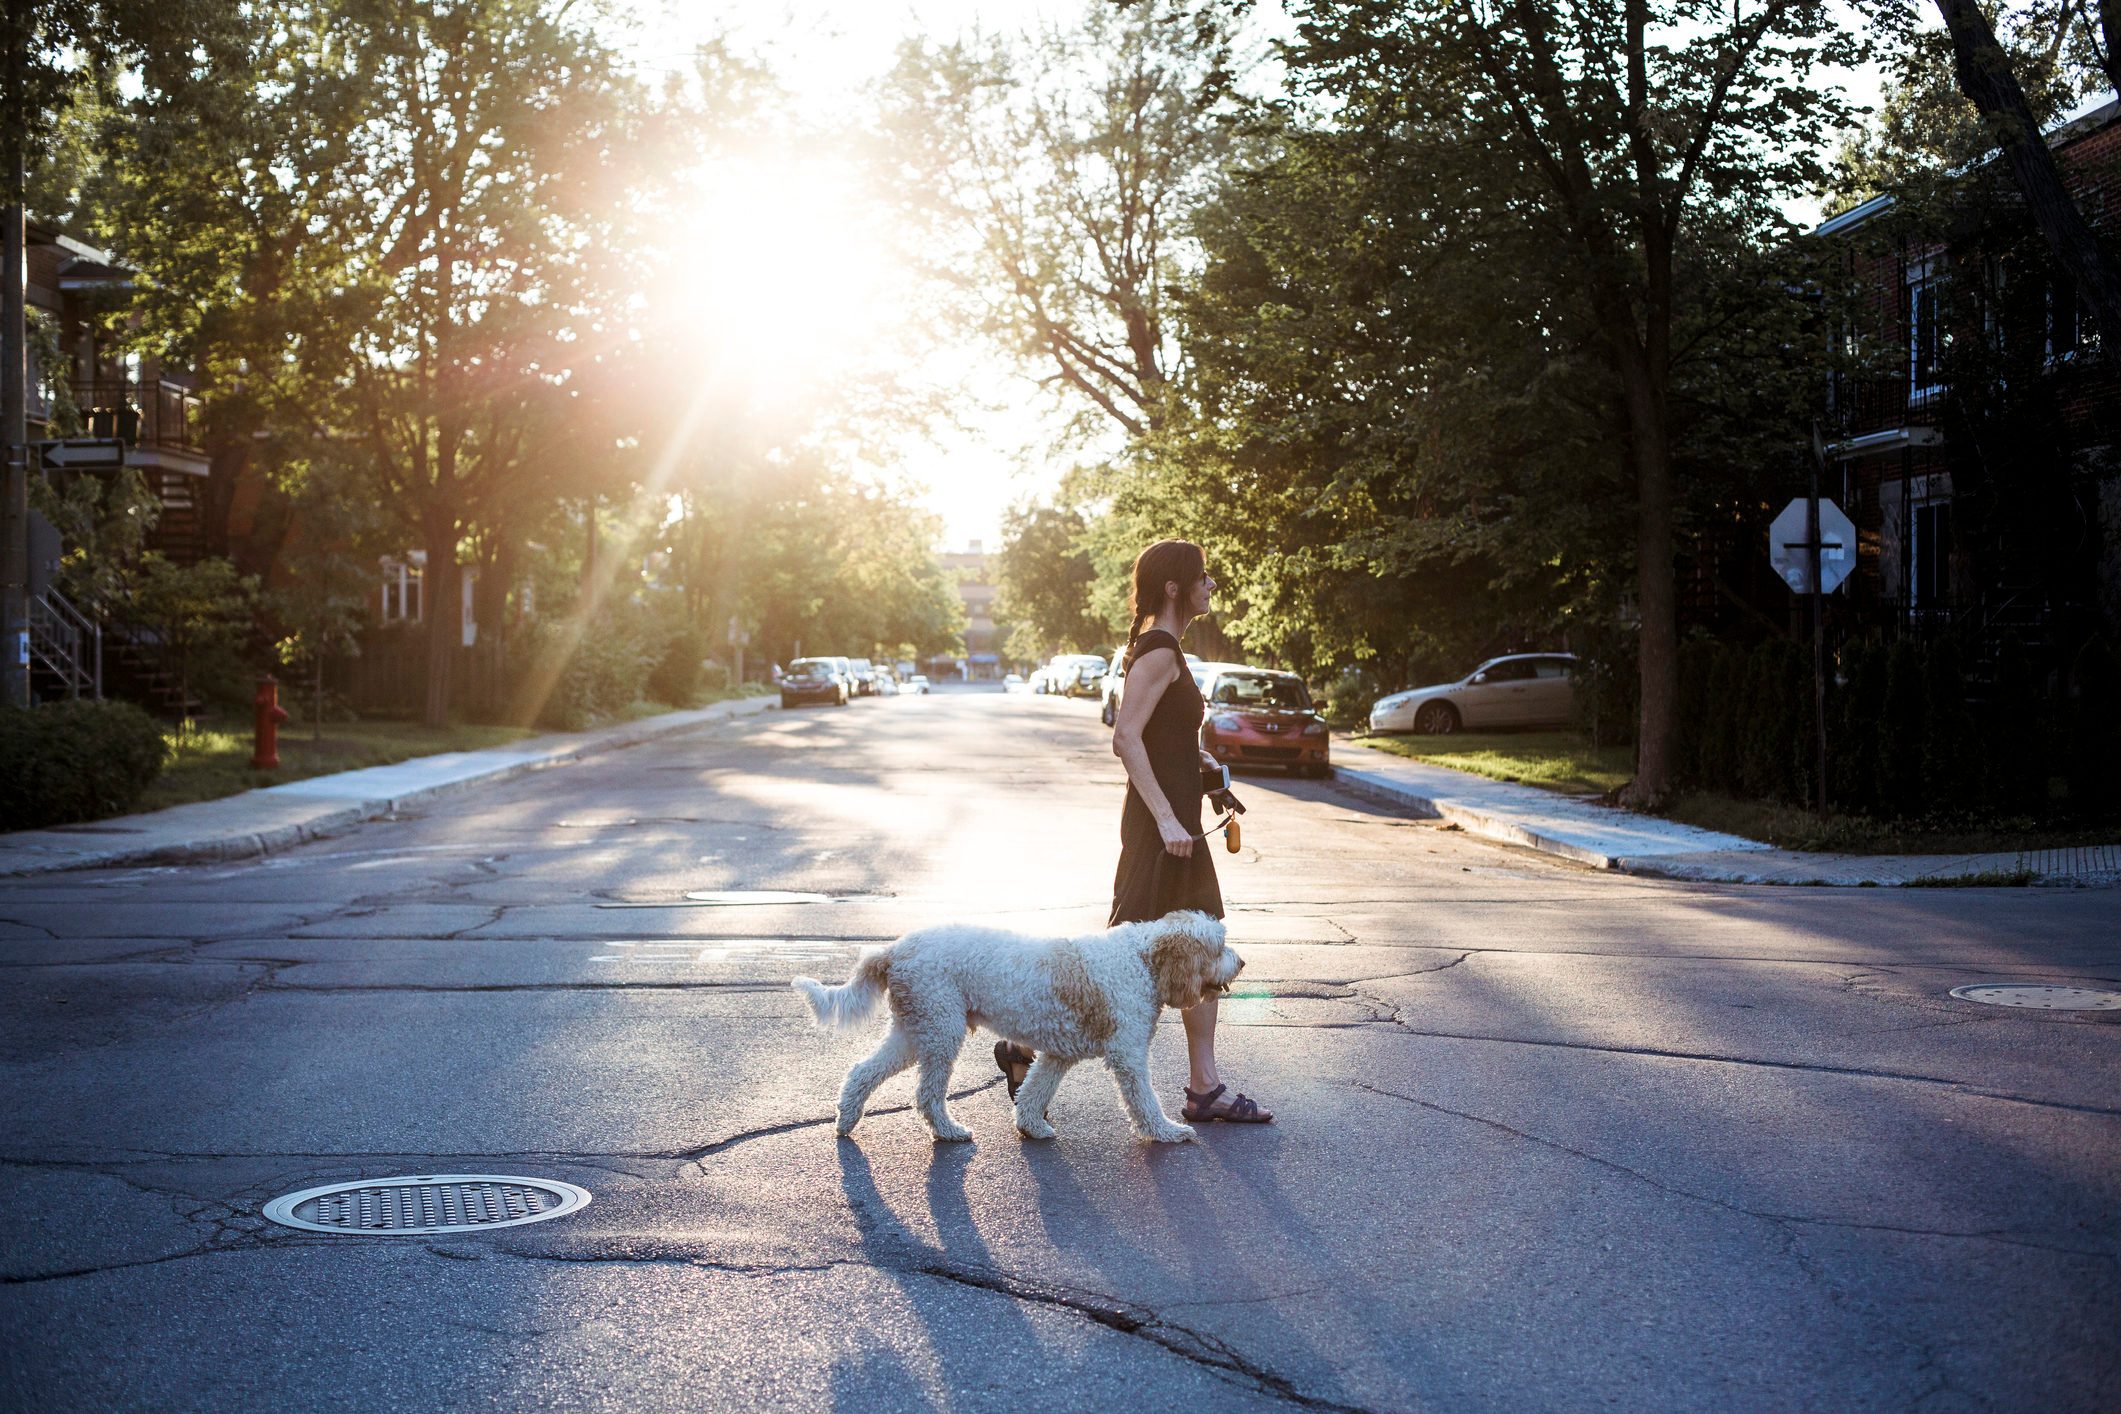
1189,959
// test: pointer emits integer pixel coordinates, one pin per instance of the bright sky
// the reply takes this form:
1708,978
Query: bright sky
810,217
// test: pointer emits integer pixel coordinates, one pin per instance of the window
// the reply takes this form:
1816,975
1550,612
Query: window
2070,328
1509,670
1930,581
1262,690
1555,667
1924,334
402,600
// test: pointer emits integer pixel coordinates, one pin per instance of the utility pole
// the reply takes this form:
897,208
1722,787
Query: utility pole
1818,598
14,400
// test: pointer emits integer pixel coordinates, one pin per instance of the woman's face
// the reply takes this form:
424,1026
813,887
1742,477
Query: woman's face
1196,598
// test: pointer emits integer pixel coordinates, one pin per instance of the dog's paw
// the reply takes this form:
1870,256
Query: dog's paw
955,1134
1171,1133
1032,1128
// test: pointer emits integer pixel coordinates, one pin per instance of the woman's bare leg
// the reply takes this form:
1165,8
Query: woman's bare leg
1200,1044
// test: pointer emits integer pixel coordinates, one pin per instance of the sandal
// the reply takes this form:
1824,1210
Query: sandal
1238,1109
1015,1062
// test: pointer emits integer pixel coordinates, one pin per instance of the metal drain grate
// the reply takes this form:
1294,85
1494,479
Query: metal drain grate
2041,996
416,1207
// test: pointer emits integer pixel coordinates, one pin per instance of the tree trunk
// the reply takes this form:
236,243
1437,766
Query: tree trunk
1986,79
443,591
1656,595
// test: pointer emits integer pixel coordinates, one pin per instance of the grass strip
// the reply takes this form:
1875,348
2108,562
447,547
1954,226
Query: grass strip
210,758
1560,761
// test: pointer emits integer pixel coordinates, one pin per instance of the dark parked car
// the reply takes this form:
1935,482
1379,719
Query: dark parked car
813,680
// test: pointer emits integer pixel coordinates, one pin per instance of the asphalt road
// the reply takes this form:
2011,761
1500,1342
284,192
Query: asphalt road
1548,1139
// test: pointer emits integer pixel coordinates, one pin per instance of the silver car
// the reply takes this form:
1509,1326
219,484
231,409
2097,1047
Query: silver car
1517,690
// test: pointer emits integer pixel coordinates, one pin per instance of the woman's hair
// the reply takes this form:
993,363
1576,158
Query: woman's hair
1165,562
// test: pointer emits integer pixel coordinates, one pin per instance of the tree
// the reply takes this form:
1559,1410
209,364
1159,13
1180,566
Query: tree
54,49
1054,175
1632,141
192,610
1044,577
1985,75
466,208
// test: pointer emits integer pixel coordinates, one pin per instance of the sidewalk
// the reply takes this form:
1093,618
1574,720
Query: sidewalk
277,817
1608,838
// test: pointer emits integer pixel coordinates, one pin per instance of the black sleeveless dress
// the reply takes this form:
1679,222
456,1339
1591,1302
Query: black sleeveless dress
1151,883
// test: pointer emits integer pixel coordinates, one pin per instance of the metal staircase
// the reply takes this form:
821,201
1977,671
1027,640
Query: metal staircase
65,649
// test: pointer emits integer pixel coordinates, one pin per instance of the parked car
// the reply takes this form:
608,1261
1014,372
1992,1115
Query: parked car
863,673
1014,682
813,680
916,685
1069,675
1115,680
886,684
1263,717
1516,690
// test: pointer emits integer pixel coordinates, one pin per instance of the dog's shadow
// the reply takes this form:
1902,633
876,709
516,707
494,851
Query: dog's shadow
926,1270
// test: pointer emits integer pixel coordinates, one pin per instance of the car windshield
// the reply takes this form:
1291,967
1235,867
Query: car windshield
810,668
1262,690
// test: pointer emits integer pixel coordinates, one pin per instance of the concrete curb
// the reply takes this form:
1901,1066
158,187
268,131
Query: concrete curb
1473,822
2096,866
332,815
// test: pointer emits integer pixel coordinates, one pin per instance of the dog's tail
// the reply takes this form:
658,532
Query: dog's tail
850,1003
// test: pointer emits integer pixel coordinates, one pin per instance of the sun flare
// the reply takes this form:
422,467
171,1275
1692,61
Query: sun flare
778,270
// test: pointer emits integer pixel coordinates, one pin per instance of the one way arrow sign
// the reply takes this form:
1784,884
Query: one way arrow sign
84,453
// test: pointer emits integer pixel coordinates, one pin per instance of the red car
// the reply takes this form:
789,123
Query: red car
1260,717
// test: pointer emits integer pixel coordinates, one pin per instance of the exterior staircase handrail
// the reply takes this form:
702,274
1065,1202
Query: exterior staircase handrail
68,642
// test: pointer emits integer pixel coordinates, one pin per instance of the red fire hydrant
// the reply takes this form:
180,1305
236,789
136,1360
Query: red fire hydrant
267,728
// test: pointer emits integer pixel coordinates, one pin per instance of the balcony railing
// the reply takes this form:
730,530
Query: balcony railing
1868,404
141,413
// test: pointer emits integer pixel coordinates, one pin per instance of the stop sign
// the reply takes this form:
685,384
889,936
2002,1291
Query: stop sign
1789,552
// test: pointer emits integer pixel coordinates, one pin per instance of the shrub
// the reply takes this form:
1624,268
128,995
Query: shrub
1778,746
74,761
1854,712
601,674
675,679
1901,727
1719,737
714,678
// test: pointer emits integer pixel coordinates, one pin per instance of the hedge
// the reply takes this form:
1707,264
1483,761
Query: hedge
75,760
1910,730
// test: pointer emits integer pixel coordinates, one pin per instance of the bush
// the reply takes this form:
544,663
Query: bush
675,678
714,678
1350,695
1854,712
600,675
74,761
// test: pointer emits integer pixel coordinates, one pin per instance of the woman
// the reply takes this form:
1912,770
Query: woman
1163,863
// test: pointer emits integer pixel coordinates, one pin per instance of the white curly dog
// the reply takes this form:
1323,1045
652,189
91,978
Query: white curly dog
1068,999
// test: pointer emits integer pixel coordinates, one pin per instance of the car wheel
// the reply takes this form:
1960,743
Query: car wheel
1436,719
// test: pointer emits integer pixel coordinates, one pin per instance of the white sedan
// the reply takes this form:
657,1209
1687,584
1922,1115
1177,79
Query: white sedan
1518,690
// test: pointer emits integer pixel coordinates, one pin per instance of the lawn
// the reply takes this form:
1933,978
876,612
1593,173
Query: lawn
1560,761
211,758
1564,761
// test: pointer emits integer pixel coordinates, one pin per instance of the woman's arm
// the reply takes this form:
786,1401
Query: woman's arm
1147,679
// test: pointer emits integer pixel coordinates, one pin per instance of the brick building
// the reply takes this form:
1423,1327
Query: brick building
1982,465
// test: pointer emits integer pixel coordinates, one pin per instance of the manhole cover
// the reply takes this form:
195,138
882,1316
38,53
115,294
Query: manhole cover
2042,996
415,1207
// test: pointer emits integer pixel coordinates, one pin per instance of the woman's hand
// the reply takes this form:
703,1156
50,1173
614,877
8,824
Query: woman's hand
1178,842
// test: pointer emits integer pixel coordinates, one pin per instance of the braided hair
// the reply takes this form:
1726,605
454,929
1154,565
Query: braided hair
1167,561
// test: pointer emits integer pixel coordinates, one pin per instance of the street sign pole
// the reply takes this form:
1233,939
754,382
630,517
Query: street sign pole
1811,551
14,393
